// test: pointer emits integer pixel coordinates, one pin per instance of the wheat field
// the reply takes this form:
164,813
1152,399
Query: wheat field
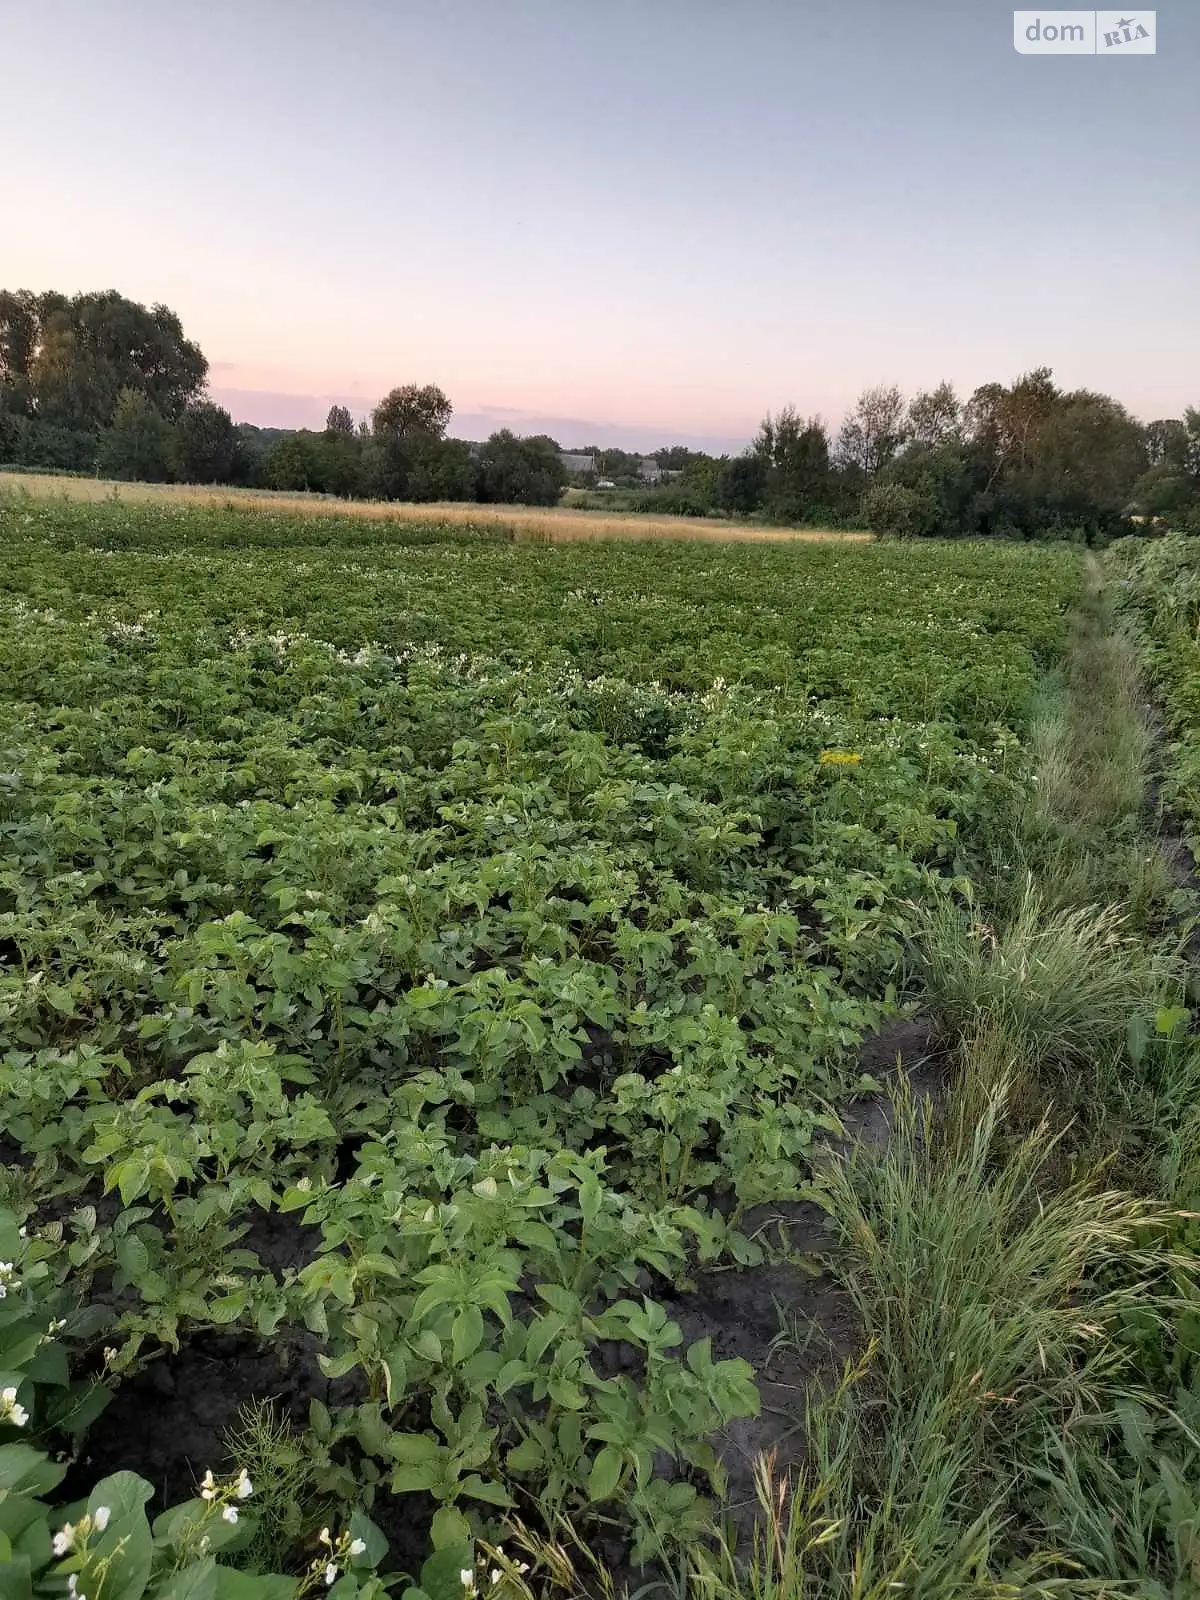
553,524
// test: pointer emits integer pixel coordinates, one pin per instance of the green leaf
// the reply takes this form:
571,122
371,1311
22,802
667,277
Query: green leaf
24,1469
512,1373
605,1474
10,1236
440,1574
466,1334
487,1489
233,1585
450,1529
415,1447
559,1299
193,1583
16,1579
411,1479
542,1333
126,1544
361,1527
49,1366
132,1179
566,1394
395,1375
527,1456
133,1257
591,1197
428,1346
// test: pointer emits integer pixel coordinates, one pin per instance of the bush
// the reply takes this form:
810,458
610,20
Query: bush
671,500
46,445
895,512
514,471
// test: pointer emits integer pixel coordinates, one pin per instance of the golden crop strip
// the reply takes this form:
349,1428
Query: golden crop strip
558,524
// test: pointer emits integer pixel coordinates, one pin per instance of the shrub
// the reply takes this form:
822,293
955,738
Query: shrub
894,511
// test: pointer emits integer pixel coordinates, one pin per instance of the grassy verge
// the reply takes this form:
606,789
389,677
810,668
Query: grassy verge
1026,1416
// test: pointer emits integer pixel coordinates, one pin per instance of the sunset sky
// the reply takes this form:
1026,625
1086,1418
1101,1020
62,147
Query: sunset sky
627,222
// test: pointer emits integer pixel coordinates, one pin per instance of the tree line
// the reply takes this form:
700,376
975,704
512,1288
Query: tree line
95,382
1027,459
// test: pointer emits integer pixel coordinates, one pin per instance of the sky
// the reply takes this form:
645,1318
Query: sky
621,221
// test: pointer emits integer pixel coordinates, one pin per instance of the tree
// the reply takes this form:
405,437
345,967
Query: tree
137,443
741,483
937,484
293,462
402,425
796,453
935,417
205,444
622,466
340,463
1167,443
1162,491
412,409
515,471
1174,443
676,457
340,421
873,430
442,469
67,361
1004,423
1082,463
19,328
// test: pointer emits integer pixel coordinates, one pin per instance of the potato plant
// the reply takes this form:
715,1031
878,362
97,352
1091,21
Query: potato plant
508,915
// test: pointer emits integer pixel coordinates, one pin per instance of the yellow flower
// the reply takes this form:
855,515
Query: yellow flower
839,758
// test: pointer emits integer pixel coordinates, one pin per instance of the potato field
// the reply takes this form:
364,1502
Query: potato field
425,957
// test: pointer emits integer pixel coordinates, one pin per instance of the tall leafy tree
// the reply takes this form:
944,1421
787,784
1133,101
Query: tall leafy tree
1083,461
19,332
66,361
340,421
204,446
741,483
935,417
403,425
412,409
796,454
293,462
873,430
1003,423
137,443
515,471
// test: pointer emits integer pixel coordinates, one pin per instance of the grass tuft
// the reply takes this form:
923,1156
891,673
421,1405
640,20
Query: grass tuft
987,1298
1054,989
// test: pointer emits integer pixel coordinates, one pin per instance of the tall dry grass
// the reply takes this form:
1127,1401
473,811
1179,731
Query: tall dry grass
552,524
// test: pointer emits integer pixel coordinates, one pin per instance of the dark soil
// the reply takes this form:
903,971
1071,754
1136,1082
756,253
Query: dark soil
792,1321
168,1421
910,1047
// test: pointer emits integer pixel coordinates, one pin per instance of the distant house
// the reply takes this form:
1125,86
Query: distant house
577,465
650,470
